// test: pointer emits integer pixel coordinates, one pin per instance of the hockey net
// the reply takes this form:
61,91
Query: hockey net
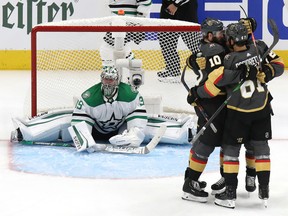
66,59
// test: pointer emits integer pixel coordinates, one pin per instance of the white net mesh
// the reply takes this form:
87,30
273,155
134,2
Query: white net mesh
66,58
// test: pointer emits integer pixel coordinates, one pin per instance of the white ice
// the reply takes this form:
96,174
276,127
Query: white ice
33,195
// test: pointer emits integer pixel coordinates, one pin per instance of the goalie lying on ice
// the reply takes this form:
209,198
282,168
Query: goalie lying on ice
109,110
54,126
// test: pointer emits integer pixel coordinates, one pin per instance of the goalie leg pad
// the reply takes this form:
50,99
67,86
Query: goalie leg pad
42,130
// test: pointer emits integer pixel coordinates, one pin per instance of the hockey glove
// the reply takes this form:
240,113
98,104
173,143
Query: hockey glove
192,96
134,137
196,62
249,23
261,76
201,61
248,72
268,70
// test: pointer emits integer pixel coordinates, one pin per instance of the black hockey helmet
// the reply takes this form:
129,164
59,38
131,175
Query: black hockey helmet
236,31
211,25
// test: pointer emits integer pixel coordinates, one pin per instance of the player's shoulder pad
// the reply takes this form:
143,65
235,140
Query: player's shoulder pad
93,96
211,49
125,93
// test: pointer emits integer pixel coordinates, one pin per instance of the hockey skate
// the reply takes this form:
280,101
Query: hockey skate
226,198
193,191
264,194
218,187
250,183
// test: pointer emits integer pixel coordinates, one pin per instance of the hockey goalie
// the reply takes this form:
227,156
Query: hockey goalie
111,111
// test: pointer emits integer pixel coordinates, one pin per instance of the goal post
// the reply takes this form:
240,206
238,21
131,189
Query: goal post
66,58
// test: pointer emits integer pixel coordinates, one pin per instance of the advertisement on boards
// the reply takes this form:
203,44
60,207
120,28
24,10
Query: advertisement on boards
18,17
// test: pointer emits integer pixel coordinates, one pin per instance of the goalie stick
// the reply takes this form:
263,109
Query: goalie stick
111,148
275,41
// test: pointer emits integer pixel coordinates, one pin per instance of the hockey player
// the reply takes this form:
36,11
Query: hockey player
248,117
104,108
110,110
250,185
213,48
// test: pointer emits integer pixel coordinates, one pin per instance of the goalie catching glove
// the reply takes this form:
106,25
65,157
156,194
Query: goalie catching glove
134,137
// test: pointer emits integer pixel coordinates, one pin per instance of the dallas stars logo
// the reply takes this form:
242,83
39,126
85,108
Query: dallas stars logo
111,124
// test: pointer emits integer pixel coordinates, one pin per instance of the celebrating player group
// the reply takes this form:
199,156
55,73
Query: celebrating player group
235,70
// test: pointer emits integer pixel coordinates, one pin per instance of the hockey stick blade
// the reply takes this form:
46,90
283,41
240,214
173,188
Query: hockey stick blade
110,148
275,32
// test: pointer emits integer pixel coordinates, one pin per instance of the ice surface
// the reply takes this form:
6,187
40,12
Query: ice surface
29,194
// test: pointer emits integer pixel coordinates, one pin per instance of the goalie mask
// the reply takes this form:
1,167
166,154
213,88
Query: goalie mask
110,80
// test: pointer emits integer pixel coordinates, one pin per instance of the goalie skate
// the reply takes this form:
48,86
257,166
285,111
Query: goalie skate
16,136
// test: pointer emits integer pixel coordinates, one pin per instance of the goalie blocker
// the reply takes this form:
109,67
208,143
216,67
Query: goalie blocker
54,126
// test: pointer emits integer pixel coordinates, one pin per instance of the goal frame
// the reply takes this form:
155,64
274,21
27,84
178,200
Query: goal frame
55,28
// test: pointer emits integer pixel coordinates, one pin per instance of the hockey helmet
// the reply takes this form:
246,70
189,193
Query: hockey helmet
237,32
110,79
211,25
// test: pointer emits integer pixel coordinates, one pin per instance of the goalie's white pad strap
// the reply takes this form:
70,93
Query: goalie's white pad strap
81,136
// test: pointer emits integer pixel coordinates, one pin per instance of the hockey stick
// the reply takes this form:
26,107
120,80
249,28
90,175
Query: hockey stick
275,41
275,38
196,137
275,32
253,39
200,108
111,148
